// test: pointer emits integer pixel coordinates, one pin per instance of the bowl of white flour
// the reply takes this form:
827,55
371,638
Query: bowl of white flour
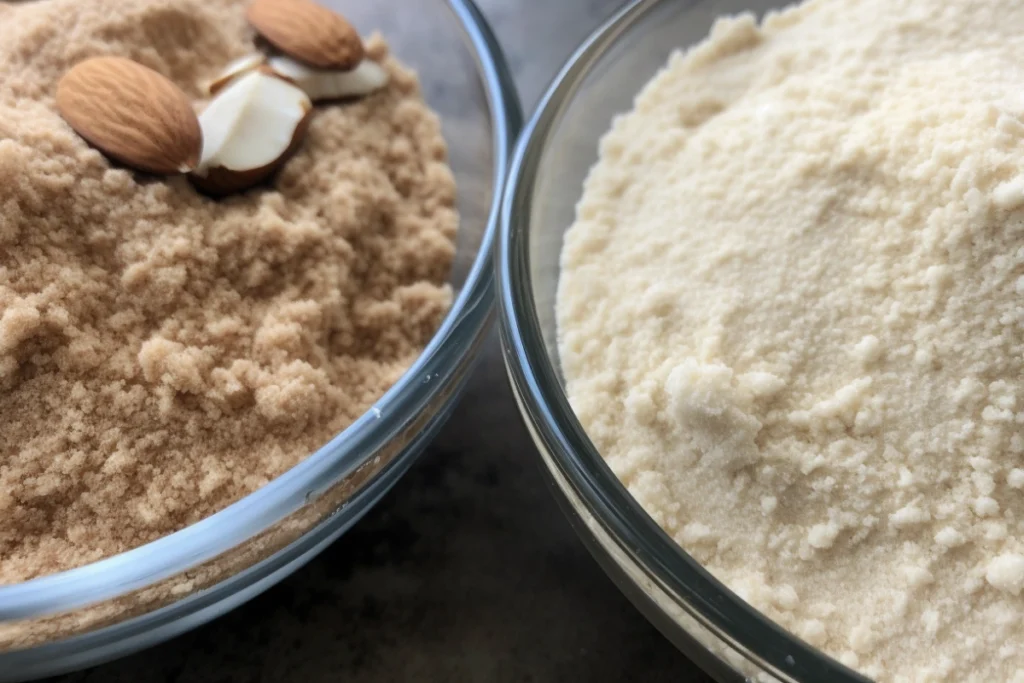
762,287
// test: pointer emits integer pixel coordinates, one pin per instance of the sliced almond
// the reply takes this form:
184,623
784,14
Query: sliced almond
132,114
325,84
249,130
308,32
236,69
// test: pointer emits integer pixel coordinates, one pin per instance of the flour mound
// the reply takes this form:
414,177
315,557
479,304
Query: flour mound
163,354
791,318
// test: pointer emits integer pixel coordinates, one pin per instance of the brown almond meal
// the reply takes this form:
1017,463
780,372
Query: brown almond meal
163,354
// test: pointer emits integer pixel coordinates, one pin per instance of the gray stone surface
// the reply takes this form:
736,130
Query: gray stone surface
467,571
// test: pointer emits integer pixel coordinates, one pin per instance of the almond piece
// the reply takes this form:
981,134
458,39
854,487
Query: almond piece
249,131
323,84
132,114
236,69
308,32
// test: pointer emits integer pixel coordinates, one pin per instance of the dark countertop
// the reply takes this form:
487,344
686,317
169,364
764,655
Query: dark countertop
467,570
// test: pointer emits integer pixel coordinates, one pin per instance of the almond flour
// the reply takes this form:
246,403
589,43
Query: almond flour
163,354
791,318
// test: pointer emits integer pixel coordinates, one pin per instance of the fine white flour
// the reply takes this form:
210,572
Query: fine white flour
791,316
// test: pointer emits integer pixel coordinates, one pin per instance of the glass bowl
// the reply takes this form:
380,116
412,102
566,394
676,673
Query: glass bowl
708,622
118,605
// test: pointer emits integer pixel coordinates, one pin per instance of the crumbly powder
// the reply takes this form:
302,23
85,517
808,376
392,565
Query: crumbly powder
791,317
163,354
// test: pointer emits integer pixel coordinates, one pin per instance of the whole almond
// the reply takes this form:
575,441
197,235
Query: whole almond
308,32
132,114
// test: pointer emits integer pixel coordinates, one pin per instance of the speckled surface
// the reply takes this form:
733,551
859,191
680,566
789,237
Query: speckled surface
467,571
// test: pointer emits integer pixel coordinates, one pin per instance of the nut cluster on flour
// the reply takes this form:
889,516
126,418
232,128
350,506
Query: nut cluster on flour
261,106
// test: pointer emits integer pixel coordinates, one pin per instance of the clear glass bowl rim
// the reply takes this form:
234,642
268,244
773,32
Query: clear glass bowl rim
556,429
466,322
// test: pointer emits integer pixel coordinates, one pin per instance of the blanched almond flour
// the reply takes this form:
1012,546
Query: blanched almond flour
163,354
791,317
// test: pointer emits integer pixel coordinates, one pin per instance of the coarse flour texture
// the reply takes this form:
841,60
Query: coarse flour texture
161,354
791,317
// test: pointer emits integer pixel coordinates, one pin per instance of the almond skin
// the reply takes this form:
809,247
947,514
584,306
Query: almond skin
308,32
132,114
237,68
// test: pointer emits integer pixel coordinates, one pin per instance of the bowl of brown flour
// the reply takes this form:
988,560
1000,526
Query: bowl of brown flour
763,315
201,389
